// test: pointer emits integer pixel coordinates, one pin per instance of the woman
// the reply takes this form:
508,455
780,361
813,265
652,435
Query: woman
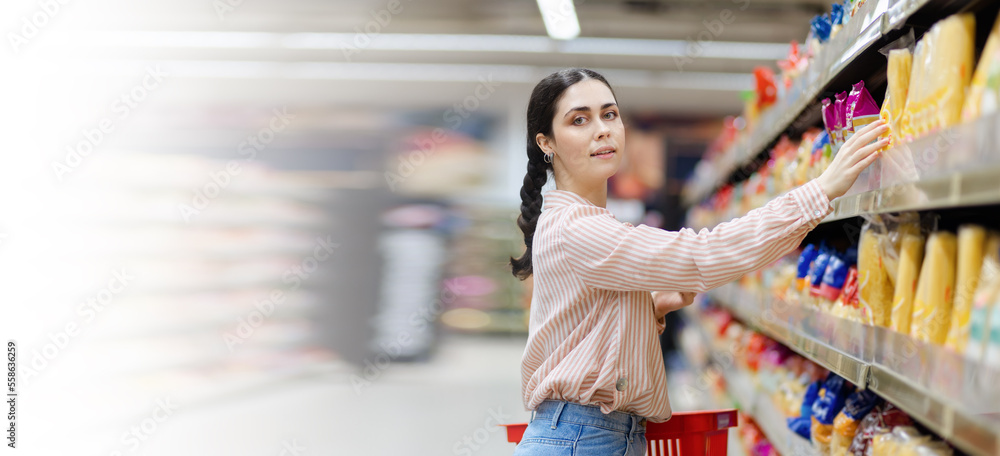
592,371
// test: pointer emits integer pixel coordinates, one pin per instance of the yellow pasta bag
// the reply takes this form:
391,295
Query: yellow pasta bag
914,91
951,46
984,92
971,247
898,73
933,300
983,301
874,284
910,256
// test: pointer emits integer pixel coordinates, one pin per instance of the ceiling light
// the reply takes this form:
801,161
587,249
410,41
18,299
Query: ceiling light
560,19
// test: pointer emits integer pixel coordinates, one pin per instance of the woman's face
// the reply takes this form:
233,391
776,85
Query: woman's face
588,138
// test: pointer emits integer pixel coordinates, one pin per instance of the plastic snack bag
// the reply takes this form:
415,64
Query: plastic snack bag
971,247
881,420
825,410
932,303
874,281
839,116
984,92
911,255
861,110
845,425
805,263
983,301
946,71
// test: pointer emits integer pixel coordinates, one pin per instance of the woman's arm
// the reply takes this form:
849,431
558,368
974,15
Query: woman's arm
609,255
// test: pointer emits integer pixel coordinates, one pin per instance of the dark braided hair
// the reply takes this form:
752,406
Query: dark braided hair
541,113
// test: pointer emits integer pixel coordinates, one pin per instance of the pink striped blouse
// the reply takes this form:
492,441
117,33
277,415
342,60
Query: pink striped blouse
592,332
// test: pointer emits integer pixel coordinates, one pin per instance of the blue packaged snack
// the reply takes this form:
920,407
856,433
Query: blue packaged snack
819,266
801,426
837,14
859,404
805,263
833,279
821,26
826,408
812,393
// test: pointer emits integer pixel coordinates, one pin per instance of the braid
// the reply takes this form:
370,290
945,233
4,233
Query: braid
531,208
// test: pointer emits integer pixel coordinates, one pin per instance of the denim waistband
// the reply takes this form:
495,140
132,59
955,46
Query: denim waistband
589,415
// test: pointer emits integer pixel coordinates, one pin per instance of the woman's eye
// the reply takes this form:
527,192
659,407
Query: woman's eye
610,115
578,121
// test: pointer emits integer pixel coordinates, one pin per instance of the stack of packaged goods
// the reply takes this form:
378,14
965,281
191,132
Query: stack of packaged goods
931,86
821,407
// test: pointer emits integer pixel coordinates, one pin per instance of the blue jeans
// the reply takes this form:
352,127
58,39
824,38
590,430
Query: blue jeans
567,429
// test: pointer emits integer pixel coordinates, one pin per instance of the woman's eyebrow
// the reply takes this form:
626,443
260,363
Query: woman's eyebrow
586,109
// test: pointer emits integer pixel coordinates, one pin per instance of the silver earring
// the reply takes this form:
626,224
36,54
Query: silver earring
547,158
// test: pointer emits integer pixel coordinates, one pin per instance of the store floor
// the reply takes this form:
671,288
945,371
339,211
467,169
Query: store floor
449,405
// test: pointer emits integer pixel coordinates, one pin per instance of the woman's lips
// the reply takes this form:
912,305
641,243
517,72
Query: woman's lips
604,152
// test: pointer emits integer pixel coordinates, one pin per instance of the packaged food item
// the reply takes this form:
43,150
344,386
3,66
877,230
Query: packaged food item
845,425
882,419
911,255
836,19
984,92
876,287
833,282
829,116
847,306
839,115
946,71
861,110
822,154
932,302
821,27
984,299
806,260
766,89
971,247
900,440
825,410
898,74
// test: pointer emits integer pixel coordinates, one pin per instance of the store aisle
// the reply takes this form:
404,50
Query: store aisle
449,405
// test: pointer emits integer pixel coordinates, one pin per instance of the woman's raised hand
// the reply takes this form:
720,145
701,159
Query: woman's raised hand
854,156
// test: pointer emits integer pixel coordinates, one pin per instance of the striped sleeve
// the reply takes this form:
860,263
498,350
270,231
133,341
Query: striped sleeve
609,255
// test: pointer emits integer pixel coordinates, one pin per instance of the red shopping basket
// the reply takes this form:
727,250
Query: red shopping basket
702,433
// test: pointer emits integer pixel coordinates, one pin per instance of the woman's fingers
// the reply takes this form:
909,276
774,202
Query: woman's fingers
868,133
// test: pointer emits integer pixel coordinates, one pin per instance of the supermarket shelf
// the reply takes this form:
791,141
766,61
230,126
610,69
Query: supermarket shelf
957,167
861,32
753,402
848,349
876,23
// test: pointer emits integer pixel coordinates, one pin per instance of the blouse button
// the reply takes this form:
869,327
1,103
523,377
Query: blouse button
621,384
816,213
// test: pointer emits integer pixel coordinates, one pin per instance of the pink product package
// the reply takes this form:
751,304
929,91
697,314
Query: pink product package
829,117
839,115
861,109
